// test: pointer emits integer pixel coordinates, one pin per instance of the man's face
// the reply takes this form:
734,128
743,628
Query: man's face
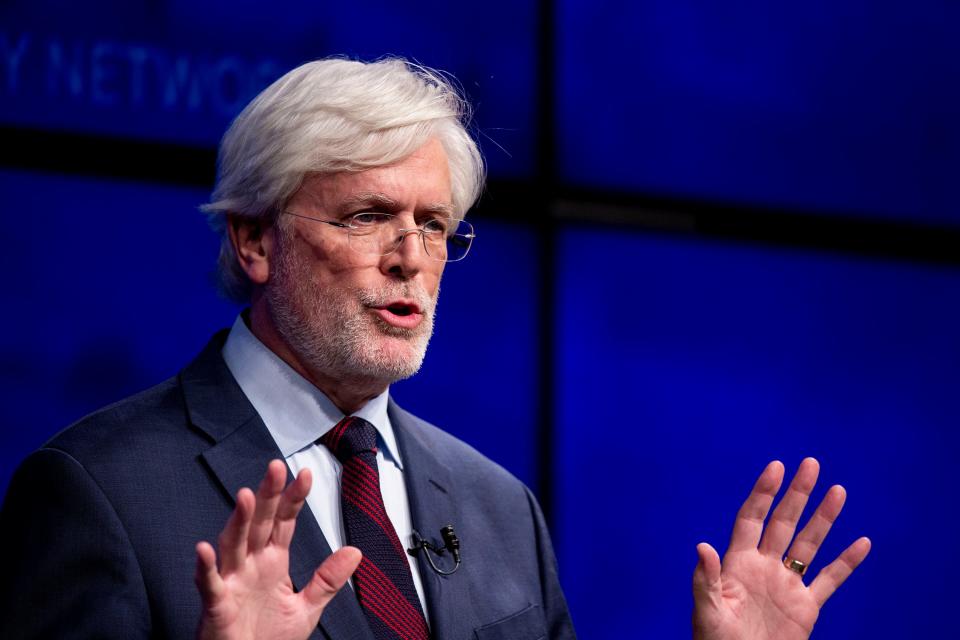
355,316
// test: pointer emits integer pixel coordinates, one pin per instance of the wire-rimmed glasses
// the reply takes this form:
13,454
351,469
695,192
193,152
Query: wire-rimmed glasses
374,233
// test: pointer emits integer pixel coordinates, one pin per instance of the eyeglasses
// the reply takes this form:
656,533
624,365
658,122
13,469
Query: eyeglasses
380,234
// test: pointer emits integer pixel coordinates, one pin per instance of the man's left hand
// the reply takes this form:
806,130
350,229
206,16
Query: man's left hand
752,595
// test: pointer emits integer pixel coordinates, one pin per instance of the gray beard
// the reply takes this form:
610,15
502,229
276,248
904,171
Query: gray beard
334,333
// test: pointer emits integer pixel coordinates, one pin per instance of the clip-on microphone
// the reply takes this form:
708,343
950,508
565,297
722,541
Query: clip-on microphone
450,543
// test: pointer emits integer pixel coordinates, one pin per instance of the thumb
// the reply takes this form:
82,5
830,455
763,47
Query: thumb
706,577
331,576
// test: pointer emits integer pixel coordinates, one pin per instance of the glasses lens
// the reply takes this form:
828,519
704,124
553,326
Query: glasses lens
459,242
376,234
372,233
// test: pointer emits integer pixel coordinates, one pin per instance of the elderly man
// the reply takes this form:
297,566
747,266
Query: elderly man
340,198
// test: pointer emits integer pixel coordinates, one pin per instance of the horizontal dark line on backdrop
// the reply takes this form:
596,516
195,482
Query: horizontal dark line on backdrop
514,200
839,232
108,157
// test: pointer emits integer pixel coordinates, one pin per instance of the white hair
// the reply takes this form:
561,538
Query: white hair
329,116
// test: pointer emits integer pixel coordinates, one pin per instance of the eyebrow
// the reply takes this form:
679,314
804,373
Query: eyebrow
376,200
440,207
385,202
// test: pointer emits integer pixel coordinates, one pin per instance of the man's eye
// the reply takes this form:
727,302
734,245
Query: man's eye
368,219
437,225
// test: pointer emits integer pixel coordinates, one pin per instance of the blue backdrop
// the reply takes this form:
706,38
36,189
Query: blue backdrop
836,107
682,365
678,384
177,71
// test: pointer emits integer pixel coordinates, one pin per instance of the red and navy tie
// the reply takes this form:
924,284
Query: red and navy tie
383,581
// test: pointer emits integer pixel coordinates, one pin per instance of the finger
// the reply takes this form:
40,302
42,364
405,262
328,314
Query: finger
207,578
808,541
330,577
832,576
268,497
748,526
706,577
233,539
289,507
783,522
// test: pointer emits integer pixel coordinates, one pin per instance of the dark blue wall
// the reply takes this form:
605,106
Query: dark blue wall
680,364
697,363
179,71
838,107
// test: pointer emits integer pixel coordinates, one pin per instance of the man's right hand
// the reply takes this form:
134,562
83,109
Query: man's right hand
251,595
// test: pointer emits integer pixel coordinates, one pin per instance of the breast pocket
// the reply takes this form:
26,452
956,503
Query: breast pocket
527,624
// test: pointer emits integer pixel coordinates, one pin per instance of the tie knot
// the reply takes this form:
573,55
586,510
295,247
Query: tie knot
350,437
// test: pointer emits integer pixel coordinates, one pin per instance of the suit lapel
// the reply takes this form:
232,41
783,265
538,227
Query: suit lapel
432,506
243,447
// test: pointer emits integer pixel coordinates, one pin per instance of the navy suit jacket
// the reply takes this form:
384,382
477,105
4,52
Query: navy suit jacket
98,527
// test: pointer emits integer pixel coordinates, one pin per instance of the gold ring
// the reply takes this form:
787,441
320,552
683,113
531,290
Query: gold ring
796,566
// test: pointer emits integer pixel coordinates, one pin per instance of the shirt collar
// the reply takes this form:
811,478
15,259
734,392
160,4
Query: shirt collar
295,411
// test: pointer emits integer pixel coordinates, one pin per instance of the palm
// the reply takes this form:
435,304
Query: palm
752,595
259,601
759,595
251,595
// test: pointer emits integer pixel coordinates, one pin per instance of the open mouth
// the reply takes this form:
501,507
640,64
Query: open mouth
400,313
400,309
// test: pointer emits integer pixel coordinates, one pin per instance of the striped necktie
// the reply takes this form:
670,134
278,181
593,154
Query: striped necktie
383,582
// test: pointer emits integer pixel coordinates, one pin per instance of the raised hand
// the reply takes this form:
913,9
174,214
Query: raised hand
753,595
251,595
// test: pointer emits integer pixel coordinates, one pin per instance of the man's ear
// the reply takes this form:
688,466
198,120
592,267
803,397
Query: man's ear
253,243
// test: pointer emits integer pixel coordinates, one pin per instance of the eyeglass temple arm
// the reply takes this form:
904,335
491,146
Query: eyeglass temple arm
332,223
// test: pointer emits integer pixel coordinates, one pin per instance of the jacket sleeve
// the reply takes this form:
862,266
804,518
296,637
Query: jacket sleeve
559,624
69,570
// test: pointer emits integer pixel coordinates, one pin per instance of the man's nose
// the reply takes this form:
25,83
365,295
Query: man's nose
410,256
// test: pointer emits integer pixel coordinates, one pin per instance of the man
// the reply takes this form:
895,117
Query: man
340,197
